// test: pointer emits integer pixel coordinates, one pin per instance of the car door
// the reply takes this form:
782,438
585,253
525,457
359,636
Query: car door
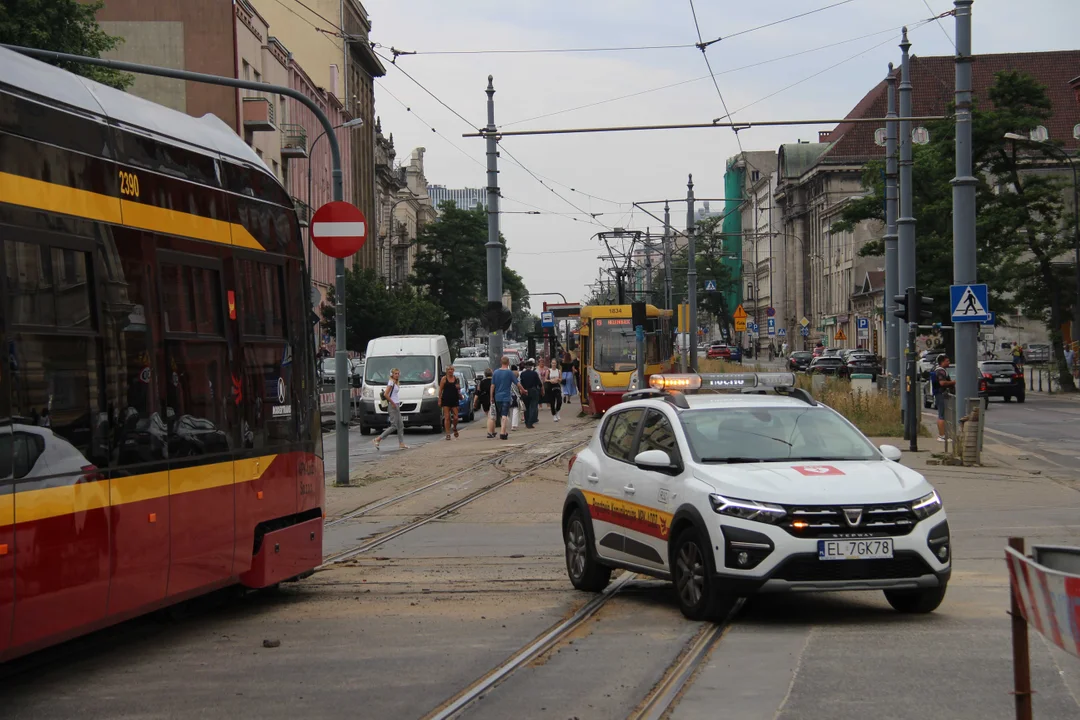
609,509
650,494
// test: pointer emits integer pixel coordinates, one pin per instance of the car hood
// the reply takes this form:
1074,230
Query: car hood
816,483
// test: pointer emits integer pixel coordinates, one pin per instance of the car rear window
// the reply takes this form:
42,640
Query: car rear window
997,367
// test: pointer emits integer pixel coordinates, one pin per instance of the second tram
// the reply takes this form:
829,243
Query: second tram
608,352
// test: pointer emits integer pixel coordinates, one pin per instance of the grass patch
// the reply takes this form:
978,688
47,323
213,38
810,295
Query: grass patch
873,412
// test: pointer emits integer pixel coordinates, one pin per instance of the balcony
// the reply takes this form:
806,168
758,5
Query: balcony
258,114
293,141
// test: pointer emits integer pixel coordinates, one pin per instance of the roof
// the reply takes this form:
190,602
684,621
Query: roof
43,80
794,159
738,400
934,84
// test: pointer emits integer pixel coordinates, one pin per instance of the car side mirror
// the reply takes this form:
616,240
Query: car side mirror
891,452
653,460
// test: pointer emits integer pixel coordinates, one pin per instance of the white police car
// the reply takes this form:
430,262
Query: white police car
733,494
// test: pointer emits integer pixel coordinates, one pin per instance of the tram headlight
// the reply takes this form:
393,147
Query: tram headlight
594,380
634,381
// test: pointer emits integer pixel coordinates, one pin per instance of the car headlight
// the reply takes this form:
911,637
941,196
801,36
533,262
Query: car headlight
747,509
926,506
430,392
368,393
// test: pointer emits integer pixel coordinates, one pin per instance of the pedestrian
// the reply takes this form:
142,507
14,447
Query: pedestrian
939,385
567,366
502,394
530,380
783,349
1017,356
554,391
392,397
450,400
482,401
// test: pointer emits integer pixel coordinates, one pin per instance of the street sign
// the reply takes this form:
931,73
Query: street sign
751,326
804,322
782,332
338,229
770,311
862,323
990,321
771,326
740,324
547,319
840,335
740,314
969,303
710,286
805,332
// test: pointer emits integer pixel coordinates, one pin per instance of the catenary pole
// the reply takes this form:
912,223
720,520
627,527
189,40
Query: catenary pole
691,272
892,281
667,258
494,247
905,224
963,190
341,367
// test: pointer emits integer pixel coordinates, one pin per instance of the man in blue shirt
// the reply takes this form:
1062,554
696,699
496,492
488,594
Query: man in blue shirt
502,383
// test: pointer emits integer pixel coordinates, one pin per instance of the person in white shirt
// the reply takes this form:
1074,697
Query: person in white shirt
553,385
393,402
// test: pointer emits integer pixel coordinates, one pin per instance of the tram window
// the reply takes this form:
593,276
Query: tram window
191,300
199,399
261,298
142,151
269,403
57,383
49,286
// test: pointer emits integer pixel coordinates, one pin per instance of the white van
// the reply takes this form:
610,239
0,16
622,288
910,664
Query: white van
422,360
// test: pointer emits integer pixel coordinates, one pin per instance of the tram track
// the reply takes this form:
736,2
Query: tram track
449,508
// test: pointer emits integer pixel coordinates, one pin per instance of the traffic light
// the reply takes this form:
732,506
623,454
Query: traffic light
922,308
903,308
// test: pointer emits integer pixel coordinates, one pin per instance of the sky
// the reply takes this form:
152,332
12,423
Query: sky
570,177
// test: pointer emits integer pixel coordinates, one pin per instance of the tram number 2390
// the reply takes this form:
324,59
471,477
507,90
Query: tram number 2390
129,184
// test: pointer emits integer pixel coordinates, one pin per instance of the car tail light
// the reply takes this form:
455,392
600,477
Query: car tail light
573,458
988,375
90,473
1018,376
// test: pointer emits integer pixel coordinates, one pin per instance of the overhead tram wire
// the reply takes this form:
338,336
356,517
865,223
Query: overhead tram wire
553,192
704,46
408,108
787,19
706,77
515,160
937,19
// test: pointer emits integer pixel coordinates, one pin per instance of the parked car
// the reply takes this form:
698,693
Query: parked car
831,365
928,361
928,393
1002,380
863,362
718,351
799,360
736,353
477,364
327,371
832,352
468,392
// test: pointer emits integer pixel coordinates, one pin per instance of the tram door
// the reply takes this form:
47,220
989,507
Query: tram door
585,359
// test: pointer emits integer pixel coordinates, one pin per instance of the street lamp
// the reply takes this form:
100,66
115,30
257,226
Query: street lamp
1055,150
354,123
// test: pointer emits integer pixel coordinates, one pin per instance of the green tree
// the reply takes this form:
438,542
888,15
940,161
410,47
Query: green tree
713,258
451,264
66,26
372,310
1018,218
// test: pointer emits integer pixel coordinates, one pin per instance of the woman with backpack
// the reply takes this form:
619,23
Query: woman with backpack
392,396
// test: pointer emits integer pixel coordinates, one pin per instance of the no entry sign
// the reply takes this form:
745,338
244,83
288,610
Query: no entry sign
338,229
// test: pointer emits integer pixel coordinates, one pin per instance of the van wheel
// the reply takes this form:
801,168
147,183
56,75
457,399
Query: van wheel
699,592
584,571
365,430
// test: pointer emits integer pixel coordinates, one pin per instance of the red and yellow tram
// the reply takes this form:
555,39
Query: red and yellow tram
159,432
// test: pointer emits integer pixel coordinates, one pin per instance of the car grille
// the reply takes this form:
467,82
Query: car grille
830,521
408,407
807,568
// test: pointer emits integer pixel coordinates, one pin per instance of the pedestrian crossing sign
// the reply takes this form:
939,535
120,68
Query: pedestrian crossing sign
969,303
840,335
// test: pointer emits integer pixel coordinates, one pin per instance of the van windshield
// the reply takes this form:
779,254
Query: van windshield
415,369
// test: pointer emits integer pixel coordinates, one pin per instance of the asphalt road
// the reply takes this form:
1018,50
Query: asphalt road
1044,426
399,631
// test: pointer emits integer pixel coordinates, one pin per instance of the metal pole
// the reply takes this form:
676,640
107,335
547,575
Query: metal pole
639,335
906,222
691,272
341,382
1021,651
494,247
667,257
963,191
892,280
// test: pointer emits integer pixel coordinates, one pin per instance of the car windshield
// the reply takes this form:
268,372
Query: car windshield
802,355
415,369
465,372
477,364
774,434
328,365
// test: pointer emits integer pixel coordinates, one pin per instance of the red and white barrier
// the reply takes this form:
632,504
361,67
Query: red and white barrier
1047,598
326,400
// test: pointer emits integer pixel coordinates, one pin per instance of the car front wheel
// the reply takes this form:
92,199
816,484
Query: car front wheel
698,590
922,601
585,573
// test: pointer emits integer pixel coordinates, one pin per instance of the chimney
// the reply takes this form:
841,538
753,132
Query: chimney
333,80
